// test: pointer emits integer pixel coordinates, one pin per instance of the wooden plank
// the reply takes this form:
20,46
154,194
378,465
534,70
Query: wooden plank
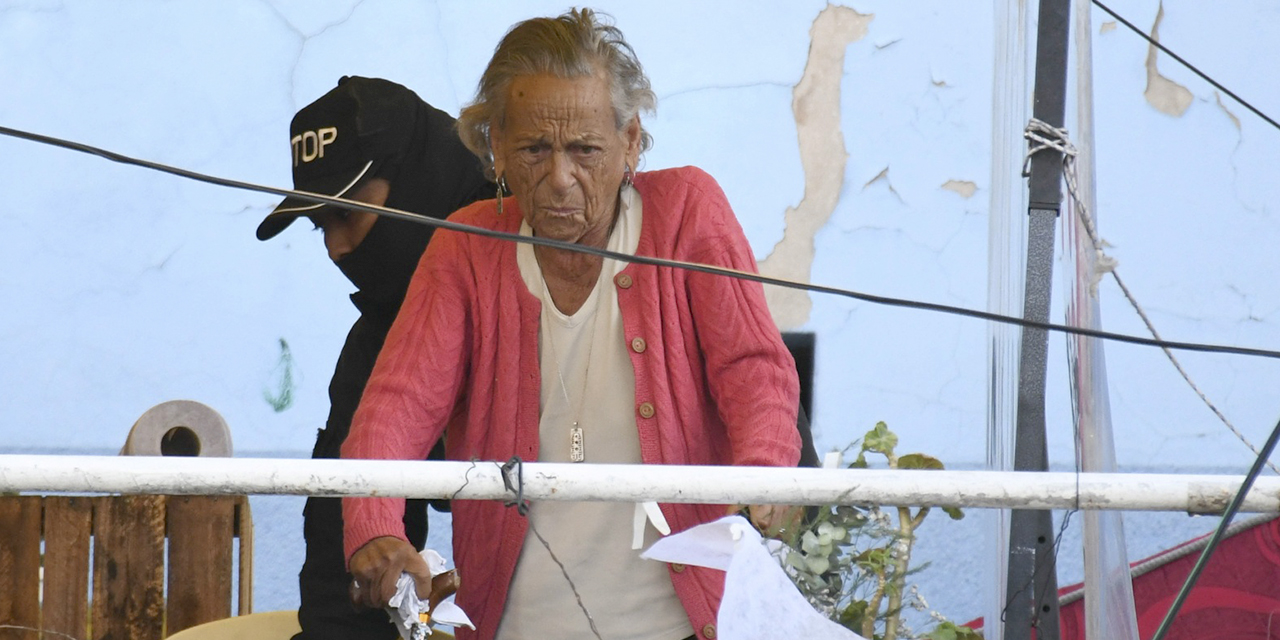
19,565
200,544
67,532
128,568
244,529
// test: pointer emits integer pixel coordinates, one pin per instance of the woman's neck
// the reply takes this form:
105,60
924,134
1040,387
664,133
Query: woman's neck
570,276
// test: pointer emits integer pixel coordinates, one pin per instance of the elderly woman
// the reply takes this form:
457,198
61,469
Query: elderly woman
560,356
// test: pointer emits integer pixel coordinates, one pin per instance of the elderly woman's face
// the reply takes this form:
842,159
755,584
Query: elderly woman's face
563,156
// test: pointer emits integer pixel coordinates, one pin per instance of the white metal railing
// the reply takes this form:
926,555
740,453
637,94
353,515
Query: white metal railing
632,483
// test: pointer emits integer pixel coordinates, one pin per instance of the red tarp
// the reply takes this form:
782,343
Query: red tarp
1237,596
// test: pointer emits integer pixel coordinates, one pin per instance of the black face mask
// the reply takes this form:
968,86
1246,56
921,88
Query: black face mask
433,176
381,266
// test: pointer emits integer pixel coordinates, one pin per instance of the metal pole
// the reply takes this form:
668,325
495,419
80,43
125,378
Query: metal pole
1031,590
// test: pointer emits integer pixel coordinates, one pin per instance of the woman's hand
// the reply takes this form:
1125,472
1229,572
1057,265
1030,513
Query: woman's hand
772,520
377,565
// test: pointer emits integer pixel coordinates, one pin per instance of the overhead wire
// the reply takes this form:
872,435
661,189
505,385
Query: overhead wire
1204,76
638,259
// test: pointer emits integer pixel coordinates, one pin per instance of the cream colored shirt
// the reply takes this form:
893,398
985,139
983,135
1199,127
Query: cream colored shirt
587,378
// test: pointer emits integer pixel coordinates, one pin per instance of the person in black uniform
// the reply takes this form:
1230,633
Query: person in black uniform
373,141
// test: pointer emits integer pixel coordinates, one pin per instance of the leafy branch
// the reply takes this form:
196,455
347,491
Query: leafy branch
852,562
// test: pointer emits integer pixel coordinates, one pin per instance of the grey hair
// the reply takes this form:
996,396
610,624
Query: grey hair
576,44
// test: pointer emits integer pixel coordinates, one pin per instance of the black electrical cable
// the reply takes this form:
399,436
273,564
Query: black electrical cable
1203,75
648,260
1218,533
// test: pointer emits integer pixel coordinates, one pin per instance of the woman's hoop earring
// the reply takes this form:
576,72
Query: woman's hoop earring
626,176
502,188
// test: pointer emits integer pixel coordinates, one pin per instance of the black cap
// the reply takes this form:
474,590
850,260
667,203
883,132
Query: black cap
341,140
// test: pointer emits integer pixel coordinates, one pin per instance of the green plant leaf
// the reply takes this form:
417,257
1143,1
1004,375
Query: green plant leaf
942,632
874,560
954,512
880,440
809,543
831,532
919,461
948,630
817,564
860,462
852,616
796,560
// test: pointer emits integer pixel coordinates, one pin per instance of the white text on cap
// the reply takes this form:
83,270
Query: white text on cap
309,145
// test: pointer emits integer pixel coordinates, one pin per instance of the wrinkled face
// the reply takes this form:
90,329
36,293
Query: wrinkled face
563,156
345,229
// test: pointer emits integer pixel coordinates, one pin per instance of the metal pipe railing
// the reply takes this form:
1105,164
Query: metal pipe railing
633,483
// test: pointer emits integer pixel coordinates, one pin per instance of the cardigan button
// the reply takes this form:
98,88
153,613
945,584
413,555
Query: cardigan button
646,410
677,567
709,631
623,280
637,344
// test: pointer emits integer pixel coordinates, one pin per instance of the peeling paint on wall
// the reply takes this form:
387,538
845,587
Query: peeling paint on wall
1162,93
966,188
815,102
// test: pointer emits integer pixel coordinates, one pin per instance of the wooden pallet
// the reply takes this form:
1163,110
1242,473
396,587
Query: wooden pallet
137,592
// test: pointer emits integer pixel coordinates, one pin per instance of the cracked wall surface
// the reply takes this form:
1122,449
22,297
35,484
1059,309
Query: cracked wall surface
816,104
854,150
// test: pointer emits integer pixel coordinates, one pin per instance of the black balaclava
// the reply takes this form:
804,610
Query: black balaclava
435,176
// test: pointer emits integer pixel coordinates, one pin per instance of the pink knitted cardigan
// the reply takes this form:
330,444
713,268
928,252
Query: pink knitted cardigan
714,383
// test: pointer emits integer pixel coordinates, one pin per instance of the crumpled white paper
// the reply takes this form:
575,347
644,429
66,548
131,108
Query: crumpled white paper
406,609
760,602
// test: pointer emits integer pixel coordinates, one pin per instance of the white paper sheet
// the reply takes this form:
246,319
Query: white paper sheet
760,602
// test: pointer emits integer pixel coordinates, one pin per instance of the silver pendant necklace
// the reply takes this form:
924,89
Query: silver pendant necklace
577,441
